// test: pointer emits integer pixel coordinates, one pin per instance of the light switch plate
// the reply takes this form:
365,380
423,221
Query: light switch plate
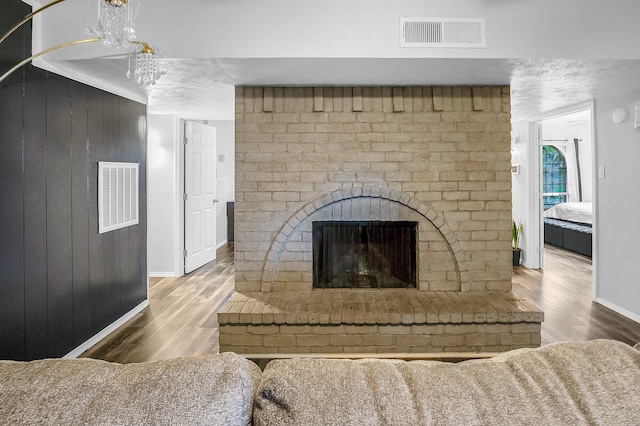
600,172
637,117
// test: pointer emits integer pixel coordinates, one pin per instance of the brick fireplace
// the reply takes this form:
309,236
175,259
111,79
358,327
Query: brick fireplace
436,157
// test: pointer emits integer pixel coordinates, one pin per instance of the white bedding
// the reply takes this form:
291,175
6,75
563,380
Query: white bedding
573,212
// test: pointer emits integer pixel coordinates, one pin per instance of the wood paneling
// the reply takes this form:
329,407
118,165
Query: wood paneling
35,184
17,46
110,290
12,157
80,212
58,207
98,288
12,331
60,281
122,235
13,298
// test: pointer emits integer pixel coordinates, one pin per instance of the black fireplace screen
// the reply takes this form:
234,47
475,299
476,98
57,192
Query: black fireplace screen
364,254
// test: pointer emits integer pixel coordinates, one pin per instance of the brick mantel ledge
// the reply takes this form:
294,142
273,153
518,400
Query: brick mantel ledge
359,307
365,321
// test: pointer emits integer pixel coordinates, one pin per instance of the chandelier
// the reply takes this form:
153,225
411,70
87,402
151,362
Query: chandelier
147,67
115,28
115,23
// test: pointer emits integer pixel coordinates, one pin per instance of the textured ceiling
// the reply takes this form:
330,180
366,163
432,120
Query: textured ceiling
204,88
216,44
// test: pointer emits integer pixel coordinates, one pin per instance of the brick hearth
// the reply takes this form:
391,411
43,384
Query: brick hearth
389,321
436,156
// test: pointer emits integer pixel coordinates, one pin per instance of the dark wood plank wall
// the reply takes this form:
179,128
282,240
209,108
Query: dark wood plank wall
35,250
12,244
60,281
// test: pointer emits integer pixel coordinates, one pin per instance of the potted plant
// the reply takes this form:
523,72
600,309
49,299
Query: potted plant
516,232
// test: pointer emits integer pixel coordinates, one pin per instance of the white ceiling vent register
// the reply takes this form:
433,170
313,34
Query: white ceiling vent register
117,195
442,32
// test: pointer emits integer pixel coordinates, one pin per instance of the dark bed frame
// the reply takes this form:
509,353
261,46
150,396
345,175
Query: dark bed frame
576,237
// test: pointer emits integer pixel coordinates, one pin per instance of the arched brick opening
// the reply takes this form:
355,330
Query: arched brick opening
446,269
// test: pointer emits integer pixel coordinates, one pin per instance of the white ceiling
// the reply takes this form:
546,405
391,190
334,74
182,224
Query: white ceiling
217,44
204,88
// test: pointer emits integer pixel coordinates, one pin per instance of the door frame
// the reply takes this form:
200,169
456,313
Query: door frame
172,146
535,189
208,254
173,128
179,198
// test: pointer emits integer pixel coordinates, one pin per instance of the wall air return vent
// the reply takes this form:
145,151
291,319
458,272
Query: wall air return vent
442,32
117,195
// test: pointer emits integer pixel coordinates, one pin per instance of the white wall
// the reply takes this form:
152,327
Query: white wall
165,242
521,188
166,186
225,145
617,247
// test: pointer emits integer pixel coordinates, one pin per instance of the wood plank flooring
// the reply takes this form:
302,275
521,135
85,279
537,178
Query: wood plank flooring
181,317
181,320
563,291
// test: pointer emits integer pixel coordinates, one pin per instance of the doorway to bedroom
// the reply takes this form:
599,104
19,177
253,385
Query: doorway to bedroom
566,181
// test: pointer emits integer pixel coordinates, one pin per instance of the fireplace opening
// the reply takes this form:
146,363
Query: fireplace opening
364,254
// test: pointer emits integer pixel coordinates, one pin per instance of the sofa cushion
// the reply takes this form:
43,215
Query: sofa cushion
595,382
216,389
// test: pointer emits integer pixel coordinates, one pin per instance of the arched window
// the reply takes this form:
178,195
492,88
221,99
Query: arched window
554,177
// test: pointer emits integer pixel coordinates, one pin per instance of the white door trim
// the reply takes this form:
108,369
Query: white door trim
200,202
536,179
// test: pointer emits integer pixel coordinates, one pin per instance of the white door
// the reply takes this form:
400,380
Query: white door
200,195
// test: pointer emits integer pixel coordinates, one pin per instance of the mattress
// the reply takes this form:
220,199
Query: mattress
572,212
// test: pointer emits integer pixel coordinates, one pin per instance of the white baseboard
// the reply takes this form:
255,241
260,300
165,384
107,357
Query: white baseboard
618,309
107,330
171,274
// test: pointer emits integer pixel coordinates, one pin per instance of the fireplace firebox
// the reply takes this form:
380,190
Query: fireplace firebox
364,254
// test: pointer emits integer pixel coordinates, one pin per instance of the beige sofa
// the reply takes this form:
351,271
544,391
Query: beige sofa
212,390
578,383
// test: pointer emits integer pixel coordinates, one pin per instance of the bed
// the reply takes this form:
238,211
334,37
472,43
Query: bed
569,226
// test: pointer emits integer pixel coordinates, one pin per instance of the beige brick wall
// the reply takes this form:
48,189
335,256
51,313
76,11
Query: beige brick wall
436,155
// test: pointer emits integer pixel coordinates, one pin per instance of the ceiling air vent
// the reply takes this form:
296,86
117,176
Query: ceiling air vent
442,32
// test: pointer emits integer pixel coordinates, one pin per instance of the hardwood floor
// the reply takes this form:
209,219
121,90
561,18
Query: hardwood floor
563,290
181,317
181,320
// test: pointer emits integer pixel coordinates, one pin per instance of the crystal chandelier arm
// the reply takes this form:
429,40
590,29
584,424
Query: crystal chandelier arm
147,69
28,17
145,47
30,58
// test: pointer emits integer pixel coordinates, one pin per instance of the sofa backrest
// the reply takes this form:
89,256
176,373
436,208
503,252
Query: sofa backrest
212,390
595,382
